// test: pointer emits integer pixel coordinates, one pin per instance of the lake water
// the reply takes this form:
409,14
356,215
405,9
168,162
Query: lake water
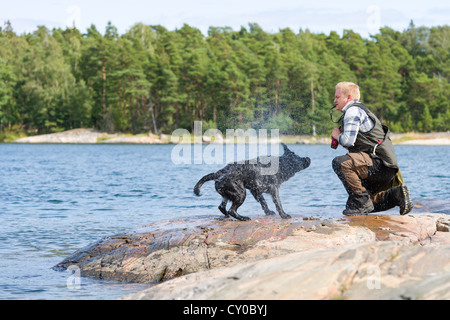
56,199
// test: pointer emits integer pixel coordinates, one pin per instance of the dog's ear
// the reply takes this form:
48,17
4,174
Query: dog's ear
286,149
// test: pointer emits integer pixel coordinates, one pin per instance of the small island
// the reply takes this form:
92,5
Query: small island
363,257
92,136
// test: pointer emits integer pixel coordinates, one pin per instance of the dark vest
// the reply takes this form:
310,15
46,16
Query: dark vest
376,142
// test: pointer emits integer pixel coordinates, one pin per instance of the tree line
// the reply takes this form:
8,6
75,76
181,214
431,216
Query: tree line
151,79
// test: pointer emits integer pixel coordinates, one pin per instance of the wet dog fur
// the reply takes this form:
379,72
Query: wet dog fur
232,181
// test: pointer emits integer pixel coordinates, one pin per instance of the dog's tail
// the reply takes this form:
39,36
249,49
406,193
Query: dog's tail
208,177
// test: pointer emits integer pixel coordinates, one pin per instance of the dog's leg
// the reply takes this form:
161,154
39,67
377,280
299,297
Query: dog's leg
232,212
260,198
233,191
239,194
276,199
223,208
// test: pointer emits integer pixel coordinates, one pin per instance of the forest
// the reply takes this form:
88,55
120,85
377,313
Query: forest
151,79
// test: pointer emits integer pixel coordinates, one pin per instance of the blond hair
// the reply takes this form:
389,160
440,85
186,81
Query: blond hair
349,88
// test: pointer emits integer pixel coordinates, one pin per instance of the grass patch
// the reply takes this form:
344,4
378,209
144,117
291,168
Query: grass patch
10,135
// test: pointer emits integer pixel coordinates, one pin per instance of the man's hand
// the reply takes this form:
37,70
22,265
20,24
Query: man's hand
335,134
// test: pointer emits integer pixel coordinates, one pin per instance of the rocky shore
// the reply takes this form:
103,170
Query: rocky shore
91,136
367,257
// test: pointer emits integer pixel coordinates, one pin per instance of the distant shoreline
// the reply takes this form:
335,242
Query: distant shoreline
91,136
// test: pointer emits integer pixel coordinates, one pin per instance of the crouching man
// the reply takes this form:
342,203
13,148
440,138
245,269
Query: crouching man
369,171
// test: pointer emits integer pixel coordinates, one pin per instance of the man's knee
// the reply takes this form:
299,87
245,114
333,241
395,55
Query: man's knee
337,163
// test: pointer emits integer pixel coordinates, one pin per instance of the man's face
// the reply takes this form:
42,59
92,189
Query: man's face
341,100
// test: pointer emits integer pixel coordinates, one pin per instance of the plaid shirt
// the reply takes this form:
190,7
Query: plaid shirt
355,120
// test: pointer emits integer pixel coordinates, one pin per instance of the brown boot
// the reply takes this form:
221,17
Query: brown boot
358,205
396,196
359,211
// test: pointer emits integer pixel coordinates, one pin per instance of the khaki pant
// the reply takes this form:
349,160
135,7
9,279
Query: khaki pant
365,178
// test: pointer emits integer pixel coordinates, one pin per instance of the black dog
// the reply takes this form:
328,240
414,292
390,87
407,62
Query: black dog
232,180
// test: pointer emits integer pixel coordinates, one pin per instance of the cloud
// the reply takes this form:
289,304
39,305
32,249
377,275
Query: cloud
24,25
300,17
320,16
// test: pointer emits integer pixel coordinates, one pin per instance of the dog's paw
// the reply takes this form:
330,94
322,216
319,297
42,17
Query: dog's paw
224,218
286,216
270,213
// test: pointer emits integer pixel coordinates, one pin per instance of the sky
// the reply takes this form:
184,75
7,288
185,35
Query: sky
364,17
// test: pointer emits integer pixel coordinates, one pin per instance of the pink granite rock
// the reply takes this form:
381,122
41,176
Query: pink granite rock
166,250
